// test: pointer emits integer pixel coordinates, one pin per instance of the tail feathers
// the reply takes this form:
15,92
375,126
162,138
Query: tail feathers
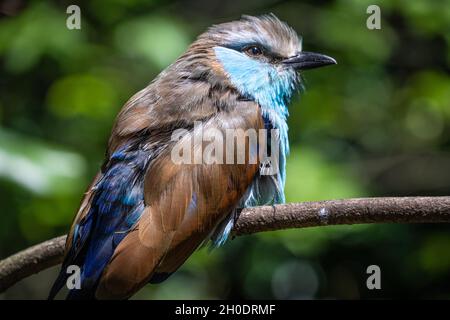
87,292
81,294
58,284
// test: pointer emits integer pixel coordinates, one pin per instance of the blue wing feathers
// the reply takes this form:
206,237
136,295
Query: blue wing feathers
116,206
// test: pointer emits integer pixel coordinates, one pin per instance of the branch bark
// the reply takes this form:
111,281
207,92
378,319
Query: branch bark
266,218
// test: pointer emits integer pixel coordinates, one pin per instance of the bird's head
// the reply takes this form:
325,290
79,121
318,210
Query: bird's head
260,56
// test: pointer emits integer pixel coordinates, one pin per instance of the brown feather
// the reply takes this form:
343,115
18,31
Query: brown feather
168,232
82,211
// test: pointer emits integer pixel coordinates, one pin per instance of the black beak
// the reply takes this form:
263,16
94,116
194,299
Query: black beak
308,60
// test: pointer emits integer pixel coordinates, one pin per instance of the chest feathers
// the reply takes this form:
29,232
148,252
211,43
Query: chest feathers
272,89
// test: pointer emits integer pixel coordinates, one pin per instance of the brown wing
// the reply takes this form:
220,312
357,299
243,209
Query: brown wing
184,203
146,112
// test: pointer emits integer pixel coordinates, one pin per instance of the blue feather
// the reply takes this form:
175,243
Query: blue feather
117,205
222,236
192,204
271,88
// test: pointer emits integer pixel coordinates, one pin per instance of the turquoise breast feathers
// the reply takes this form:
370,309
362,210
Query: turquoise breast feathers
272,89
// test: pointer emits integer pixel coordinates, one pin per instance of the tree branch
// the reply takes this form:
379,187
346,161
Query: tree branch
260,219
29,261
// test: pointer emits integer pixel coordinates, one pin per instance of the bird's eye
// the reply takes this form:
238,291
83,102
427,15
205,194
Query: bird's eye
253,51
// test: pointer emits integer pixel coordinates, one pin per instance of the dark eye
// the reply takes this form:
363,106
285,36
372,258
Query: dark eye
254,51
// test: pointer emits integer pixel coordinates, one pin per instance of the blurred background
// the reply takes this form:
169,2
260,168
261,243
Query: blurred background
377,124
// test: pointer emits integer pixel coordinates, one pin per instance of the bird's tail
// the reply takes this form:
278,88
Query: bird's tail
86,293
58,284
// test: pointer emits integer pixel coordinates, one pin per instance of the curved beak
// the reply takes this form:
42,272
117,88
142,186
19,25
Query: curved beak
308,60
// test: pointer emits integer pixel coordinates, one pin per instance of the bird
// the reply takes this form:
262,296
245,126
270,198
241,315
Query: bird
143,214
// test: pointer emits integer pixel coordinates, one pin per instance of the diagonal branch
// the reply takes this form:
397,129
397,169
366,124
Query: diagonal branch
30,261
260,219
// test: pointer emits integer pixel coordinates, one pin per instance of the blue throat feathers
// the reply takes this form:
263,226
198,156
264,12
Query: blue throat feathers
272,89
